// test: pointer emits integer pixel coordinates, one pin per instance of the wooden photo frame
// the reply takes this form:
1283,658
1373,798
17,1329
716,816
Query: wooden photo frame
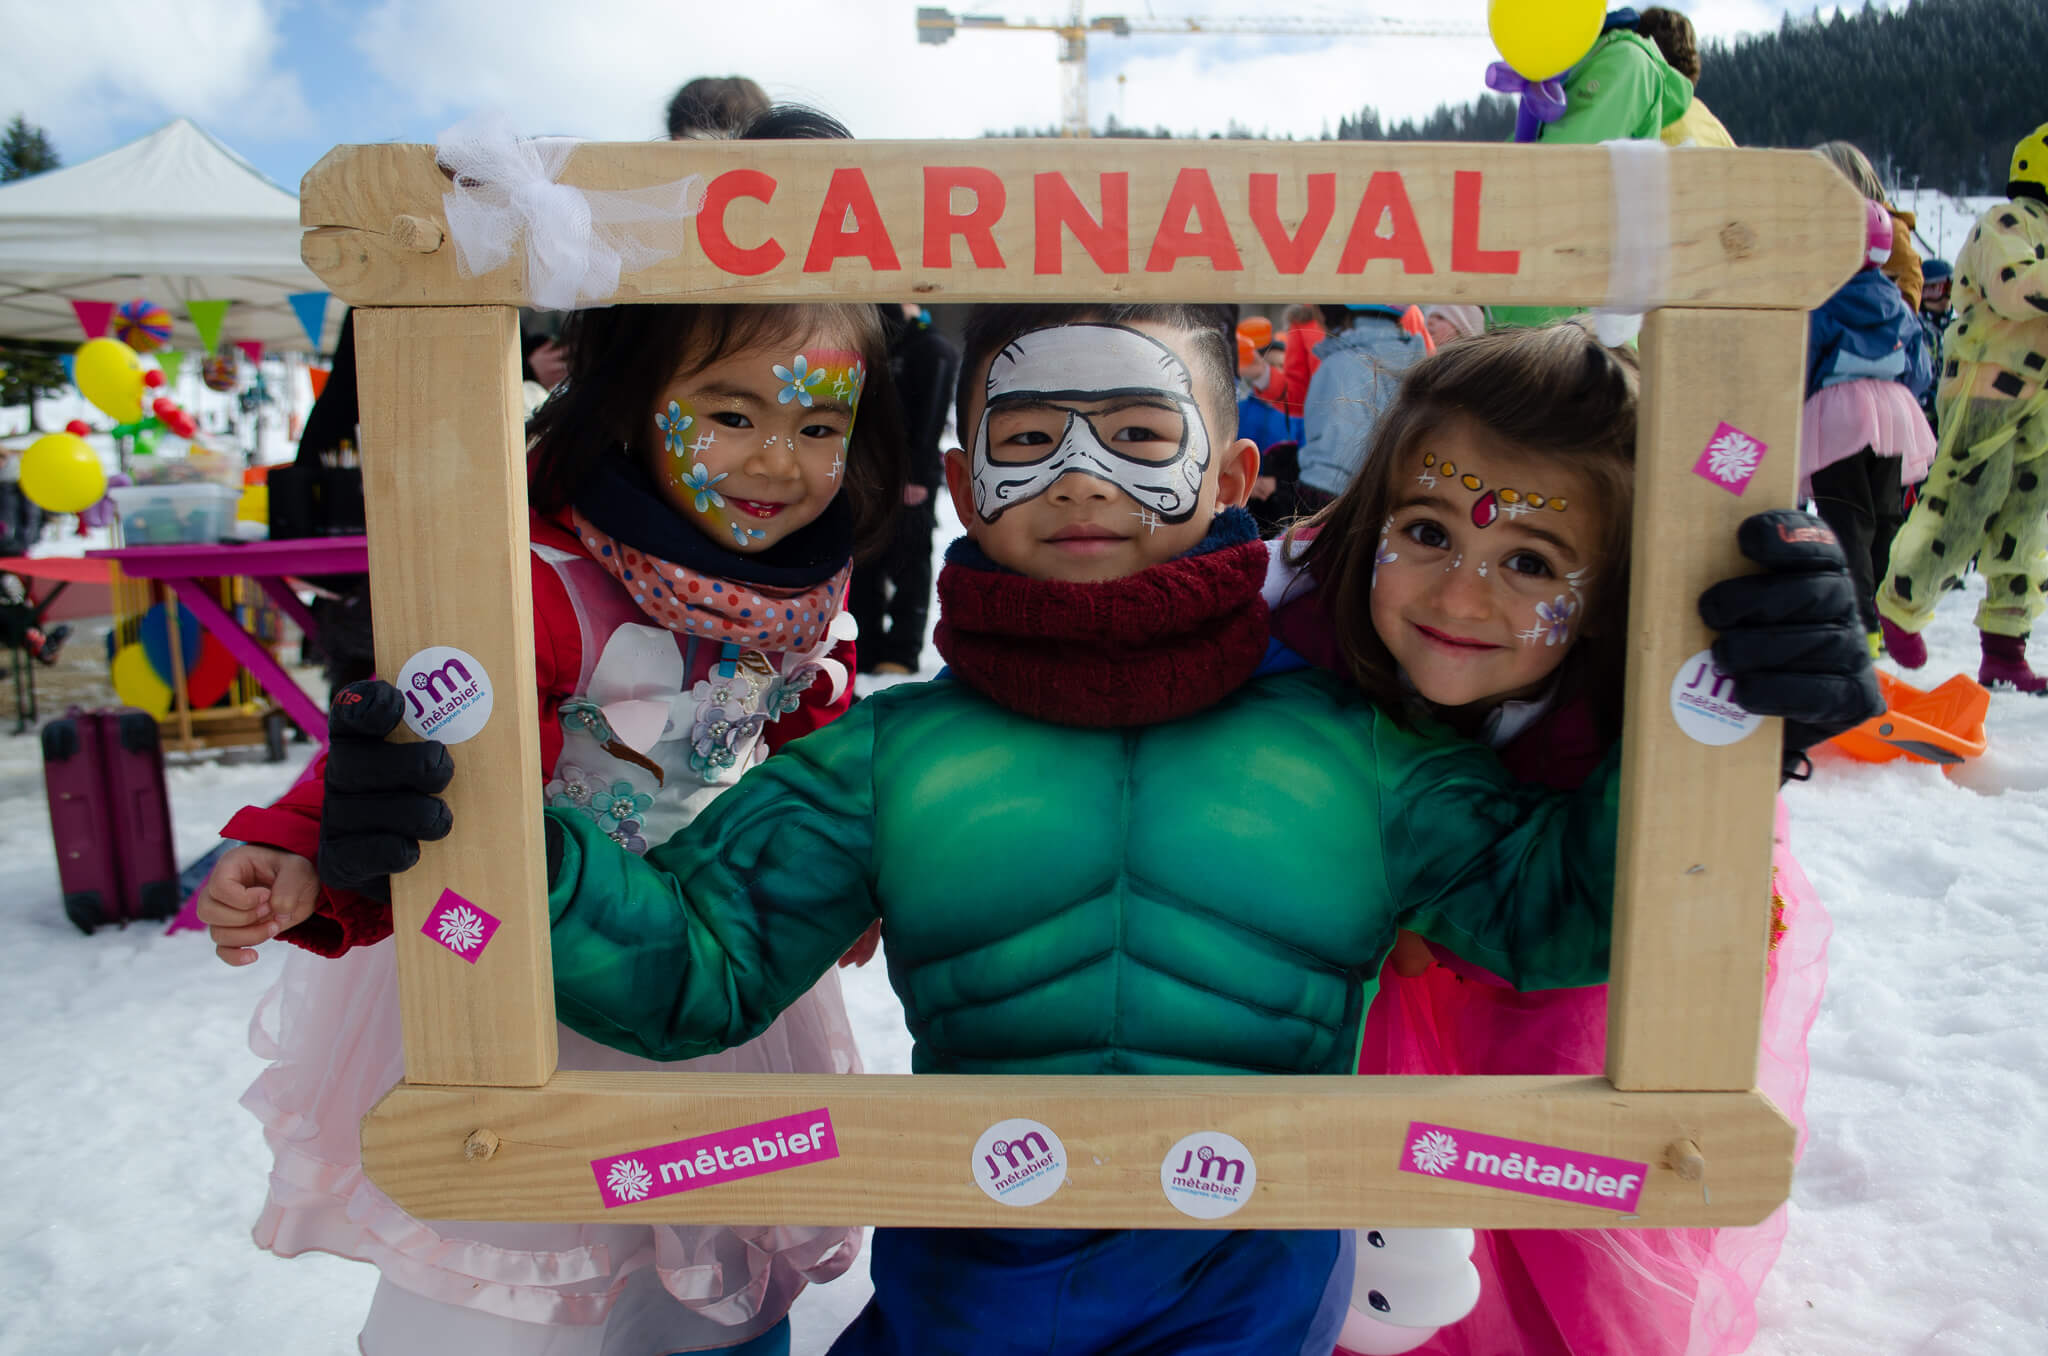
1726,250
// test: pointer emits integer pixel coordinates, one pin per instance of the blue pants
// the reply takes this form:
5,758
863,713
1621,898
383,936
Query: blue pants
1080,1292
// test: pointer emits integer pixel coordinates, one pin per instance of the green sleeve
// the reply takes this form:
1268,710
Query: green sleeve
1623,91
698,946
1513,877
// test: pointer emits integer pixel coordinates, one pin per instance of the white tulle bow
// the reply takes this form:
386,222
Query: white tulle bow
578,241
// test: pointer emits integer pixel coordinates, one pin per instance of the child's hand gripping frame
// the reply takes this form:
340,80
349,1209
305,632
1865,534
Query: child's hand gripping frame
485,1128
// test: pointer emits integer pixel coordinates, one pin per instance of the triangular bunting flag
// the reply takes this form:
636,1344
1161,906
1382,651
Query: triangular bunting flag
70,370
94,317
206,318
252,349
312,311
172,362
318,377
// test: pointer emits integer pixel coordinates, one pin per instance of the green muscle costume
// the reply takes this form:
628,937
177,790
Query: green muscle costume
1208,895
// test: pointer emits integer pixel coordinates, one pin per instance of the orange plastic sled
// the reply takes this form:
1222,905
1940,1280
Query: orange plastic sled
1943,726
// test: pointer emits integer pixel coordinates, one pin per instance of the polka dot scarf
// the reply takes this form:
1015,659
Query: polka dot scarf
692,603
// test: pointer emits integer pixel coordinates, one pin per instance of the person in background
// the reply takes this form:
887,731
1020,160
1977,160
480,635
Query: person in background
1621,90
896,587
1903,265
714,106
1862,438
1448,324
1988,496
1936,276
1358,373
1285,385
1675,39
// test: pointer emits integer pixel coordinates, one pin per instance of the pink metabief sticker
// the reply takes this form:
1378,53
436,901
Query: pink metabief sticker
462,927
1730,458
722,1156
1516,1165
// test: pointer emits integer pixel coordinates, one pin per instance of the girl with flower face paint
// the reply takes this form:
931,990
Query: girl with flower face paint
699,485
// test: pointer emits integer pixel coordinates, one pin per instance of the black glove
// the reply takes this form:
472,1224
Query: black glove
1791,637
380,800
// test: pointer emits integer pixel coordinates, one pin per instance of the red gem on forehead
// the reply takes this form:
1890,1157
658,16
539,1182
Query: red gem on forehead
1485,509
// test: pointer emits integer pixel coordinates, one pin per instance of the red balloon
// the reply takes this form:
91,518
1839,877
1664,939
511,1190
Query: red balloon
164,407
153,378
209,679
78,428
185,426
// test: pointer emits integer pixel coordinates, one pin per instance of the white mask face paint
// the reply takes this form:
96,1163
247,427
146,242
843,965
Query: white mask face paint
1091,374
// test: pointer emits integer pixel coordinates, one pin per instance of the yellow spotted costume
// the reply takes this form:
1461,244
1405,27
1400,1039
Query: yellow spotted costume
1987,494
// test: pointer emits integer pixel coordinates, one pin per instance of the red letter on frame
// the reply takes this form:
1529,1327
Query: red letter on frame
1292,256
718,246
1466,256
1193,195
869,238
941,223
1054,204
1385,195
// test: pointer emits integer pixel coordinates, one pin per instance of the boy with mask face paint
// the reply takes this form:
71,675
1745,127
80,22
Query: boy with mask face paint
1099,846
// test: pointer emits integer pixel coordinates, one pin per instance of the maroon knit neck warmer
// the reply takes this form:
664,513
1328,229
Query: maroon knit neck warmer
1161,644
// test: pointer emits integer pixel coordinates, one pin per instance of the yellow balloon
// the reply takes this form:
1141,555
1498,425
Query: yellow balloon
60,473
136,682
110,375
1542,38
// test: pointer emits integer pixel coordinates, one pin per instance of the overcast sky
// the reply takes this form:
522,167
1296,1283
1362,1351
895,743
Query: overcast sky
283,80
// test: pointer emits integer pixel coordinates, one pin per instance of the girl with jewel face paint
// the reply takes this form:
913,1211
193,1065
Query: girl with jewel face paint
1480,556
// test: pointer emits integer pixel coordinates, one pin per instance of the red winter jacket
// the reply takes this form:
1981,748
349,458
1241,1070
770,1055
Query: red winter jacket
345,919
1290,383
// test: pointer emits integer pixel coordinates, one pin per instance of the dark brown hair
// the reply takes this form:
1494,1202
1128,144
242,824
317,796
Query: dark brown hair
1674,36
995,325
715,105
1553,392
621,358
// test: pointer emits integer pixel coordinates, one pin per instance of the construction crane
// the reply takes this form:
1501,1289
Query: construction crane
935,26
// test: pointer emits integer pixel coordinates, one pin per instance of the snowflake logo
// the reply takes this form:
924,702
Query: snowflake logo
1435,1153
673,424
460,929
1733,456
798,381
629,1180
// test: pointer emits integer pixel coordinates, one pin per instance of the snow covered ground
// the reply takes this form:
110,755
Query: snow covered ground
1919,1221
1942,223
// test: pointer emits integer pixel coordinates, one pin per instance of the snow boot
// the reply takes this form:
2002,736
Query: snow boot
2005,666
1907,650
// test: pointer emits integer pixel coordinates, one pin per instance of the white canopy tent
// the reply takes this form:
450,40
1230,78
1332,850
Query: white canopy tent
174,216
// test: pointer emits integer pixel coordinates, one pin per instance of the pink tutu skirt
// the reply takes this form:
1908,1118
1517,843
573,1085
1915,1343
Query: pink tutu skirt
331,1031
1606,1292
1841,420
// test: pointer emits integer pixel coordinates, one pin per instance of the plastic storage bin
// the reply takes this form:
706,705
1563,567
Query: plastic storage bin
164,515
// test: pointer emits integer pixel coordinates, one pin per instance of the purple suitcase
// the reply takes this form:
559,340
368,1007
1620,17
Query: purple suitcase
110,817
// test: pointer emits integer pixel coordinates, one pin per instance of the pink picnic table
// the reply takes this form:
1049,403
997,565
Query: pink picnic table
270,563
